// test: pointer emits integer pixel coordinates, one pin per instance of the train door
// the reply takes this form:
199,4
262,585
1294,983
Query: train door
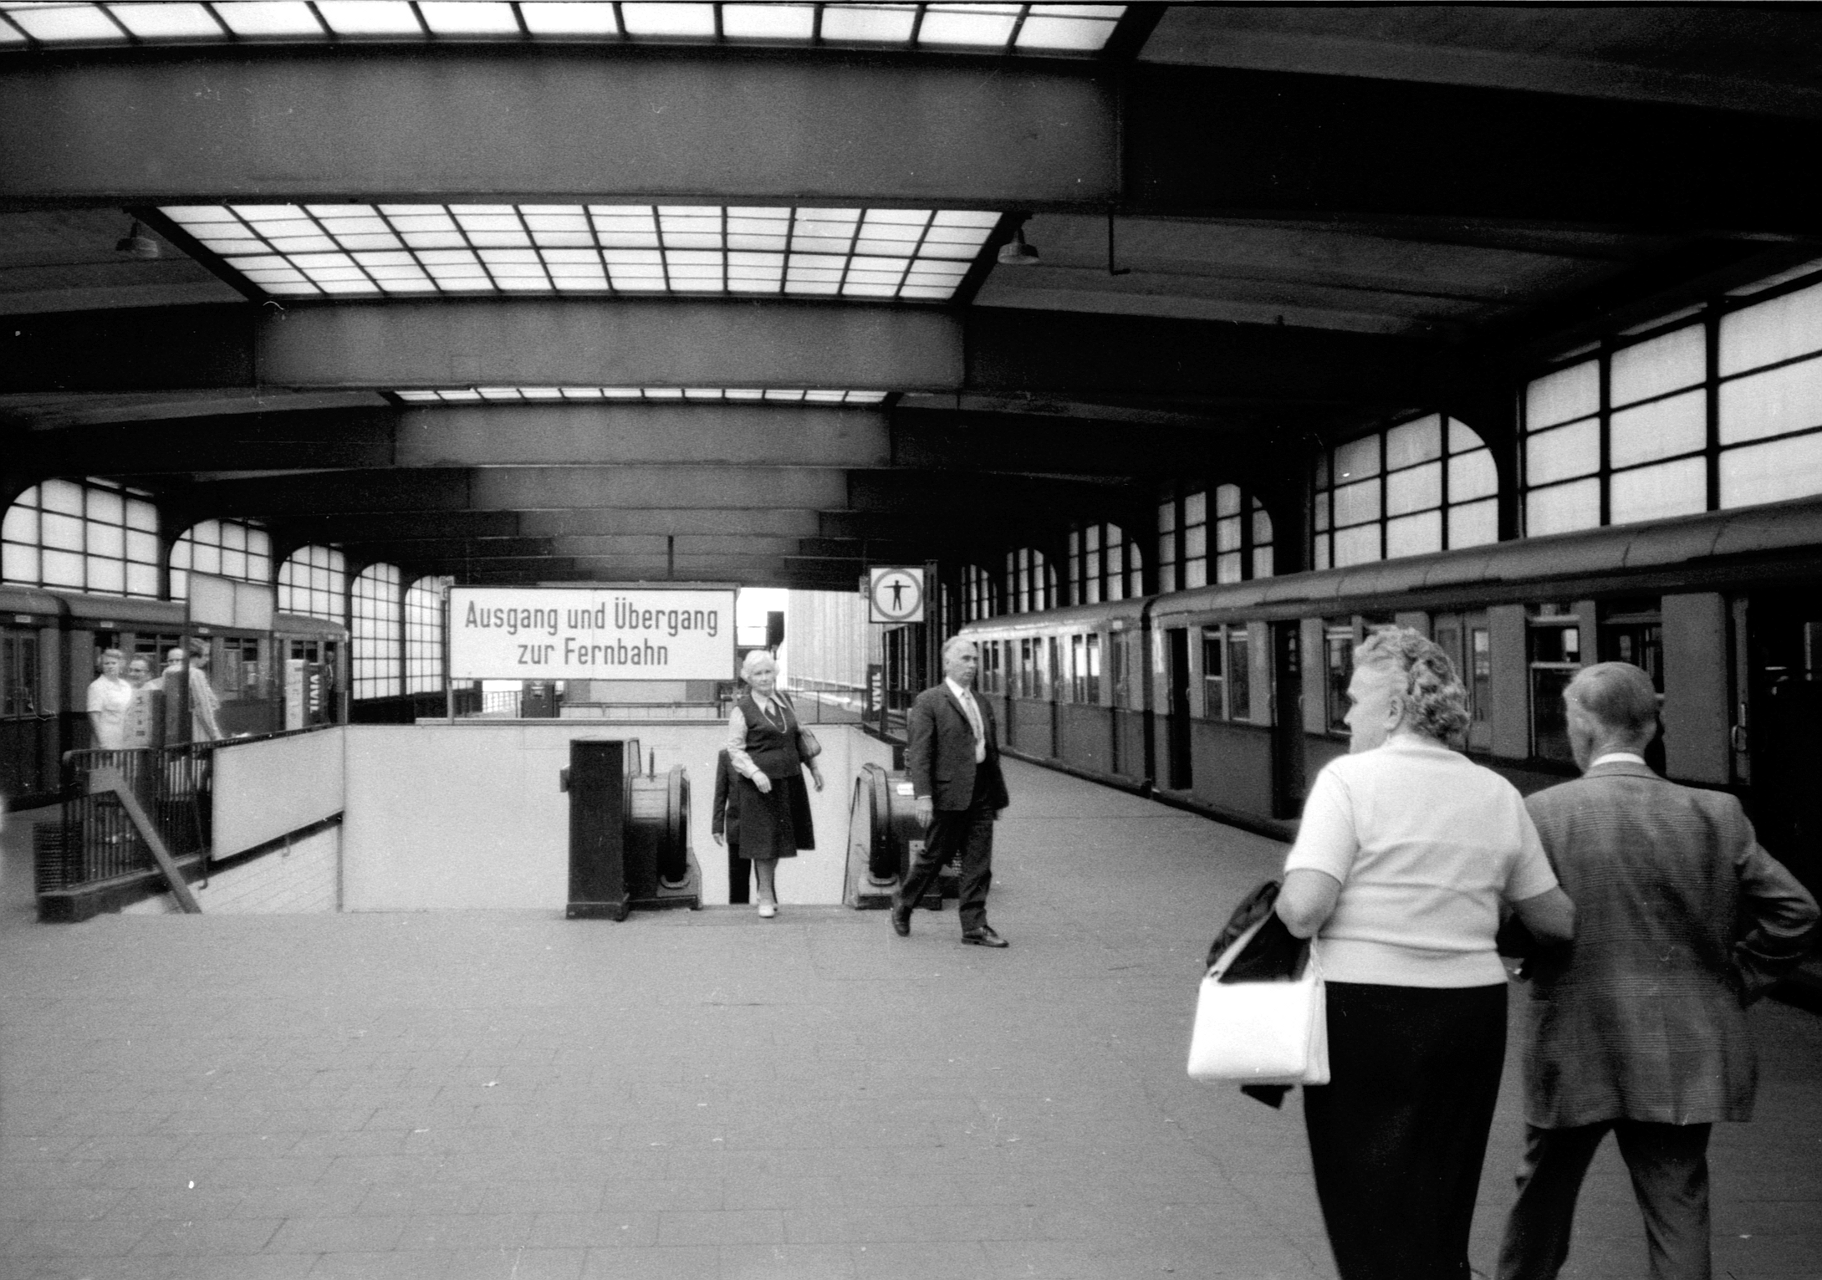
1633,631
1468,640
1289,774
1176,722
28,755
1783,696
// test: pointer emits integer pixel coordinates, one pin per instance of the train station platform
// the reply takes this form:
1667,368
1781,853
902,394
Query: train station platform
708,1096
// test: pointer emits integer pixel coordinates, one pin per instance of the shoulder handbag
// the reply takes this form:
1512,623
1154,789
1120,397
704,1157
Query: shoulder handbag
808,748
1270,1026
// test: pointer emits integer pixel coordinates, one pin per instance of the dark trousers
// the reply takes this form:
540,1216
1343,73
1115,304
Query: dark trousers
1398,1134
1669,1168
967,831
740,875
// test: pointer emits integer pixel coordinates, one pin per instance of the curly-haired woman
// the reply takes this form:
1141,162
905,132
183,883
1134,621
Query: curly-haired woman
1406,852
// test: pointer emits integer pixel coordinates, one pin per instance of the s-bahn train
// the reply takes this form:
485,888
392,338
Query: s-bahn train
1228,699
50,648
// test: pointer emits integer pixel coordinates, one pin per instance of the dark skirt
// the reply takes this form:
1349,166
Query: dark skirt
1398,1134
776,823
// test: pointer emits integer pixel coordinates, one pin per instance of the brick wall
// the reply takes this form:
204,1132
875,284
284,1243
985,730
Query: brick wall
299,880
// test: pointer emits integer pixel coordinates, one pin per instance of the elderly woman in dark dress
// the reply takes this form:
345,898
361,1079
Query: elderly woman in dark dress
773,804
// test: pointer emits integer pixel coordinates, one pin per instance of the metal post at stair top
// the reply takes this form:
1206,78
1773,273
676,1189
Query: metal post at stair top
112,779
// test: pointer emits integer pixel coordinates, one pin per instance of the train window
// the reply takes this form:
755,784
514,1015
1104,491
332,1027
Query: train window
1556,655
1117,657
1421,486
242,673
1338,644
1078,669
1226,673
1027,674
1051,670
1468,642
1092,684
1633,631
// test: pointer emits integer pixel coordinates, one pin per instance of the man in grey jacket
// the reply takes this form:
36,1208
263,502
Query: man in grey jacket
1639,1025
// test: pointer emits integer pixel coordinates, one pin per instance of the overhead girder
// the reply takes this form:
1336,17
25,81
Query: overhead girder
553,123
771,522
1233,143
569,123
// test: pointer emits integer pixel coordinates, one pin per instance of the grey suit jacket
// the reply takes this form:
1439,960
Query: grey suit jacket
1681,919
939,751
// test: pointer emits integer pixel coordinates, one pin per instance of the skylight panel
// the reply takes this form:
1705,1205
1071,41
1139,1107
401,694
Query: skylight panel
270,19
989,25
643,395
65,22
370,17
889,254
167,21
869,23
568,18
643,18
1073,28
768,21
468,17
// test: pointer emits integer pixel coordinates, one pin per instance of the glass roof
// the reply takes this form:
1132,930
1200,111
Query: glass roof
407,249
644,395
1046,29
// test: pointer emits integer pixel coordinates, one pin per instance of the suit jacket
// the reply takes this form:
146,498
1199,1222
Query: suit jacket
1681,920
940,753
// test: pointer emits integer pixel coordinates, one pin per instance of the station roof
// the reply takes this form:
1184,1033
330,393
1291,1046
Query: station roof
553,291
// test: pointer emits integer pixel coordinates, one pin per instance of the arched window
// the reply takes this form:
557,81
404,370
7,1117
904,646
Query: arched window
314,581
82,535
226,548
1243,536
424,634
1104,564
1030,582
1683,416
1421,486
377,632
977,593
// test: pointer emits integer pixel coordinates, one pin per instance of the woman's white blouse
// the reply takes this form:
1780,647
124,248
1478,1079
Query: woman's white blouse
1425,844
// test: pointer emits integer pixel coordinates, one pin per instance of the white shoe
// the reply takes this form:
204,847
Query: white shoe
767,910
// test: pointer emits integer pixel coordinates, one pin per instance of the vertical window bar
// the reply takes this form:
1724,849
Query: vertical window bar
1605,418
1711,405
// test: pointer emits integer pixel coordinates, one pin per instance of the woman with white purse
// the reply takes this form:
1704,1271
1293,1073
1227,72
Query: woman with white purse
1406,852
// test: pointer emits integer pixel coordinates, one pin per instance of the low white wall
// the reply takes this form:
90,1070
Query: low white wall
297,880
469,815
264,789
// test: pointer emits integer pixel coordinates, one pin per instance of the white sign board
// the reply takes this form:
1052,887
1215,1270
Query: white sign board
590,633
895,595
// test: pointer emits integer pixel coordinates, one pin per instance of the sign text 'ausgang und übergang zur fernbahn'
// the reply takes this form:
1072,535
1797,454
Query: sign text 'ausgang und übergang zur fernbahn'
608,633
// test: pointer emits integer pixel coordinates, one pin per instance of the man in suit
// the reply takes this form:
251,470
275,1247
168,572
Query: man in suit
953,757
1639,1025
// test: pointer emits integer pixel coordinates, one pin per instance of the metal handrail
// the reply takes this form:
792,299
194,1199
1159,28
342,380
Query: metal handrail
98,840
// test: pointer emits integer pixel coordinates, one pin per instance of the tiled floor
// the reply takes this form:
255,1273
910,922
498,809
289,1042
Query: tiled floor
703,1096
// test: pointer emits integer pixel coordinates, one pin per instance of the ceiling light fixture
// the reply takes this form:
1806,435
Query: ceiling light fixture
1017,253
137,242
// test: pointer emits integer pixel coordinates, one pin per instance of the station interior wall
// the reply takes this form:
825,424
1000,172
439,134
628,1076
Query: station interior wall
470,815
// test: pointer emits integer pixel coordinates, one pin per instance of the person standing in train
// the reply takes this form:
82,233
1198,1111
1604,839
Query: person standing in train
763,745
953,755
724,825
109,697
1639,1027
1406,852
203,703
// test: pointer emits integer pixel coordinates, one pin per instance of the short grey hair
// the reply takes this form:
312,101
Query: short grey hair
953,641
1435,700
754,658
1620,696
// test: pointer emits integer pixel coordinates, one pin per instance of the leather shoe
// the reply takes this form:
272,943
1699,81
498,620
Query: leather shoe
901,920
983,937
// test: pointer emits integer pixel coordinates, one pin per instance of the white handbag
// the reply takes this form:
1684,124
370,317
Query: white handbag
1269,1032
